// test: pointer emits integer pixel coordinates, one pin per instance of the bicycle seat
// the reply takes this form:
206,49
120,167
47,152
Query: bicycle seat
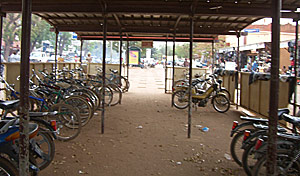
11,104
5,124
265,127
282,111
114,71
41,114
291,119
253,119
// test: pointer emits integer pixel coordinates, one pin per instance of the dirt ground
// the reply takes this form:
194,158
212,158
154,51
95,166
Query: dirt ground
145,136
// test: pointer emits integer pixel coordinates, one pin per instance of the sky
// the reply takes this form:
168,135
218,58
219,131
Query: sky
267,21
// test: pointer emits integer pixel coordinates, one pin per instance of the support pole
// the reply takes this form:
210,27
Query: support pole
24,92
81,46
213,55
1,27
121,43
173,64
127,58
190,77
103,72
274,87
56,39
166,53
237,70
295,65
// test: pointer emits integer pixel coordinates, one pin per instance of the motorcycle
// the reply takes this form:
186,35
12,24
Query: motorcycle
219,99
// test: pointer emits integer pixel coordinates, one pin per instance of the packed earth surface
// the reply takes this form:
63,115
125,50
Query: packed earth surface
145,136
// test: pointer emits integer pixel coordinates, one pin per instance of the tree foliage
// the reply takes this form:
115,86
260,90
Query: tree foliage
11,28
40,30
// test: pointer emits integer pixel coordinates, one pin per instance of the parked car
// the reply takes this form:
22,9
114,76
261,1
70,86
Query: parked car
38,57
14,58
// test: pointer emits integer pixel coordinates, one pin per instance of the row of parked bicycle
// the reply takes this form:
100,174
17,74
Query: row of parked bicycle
59,107
249,145
202,89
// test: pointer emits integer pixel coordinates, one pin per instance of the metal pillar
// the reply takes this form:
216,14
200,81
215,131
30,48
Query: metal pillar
274,87
127,57
103,72
295,65
166,53
190,77
56,39
213,55
1,27
121,43
173,65
81,46
237,69
24,92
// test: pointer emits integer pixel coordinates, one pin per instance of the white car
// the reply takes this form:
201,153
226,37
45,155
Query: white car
39,57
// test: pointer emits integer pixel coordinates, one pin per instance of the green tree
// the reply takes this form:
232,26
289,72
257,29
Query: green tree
40,30
64,41
11,28
182,51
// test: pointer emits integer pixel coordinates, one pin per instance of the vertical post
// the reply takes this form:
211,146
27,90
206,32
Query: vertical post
213,55
24,92
166,53
173,64
274,87
237,69
127,58
56,39
103,71
111,43
121,43
1,27
81,46
295,65
190,77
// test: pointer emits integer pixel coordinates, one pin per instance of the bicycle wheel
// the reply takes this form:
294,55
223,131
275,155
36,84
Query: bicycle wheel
83,106
108,94
124,84
248,160
236,148
90,95
68,121
283,160
220,103
7,168
180,99
46,144
117,95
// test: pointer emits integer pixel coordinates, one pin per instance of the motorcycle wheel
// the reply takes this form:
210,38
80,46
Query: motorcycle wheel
180,99
220,103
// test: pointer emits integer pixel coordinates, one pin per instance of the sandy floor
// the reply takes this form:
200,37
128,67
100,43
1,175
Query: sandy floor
146,136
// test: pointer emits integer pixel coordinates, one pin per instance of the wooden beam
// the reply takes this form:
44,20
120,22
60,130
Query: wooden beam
143,29
117,20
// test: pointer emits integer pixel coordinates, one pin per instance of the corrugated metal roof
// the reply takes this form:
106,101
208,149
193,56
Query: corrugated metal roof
151,18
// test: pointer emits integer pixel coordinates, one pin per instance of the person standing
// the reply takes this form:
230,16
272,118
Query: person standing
89,58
